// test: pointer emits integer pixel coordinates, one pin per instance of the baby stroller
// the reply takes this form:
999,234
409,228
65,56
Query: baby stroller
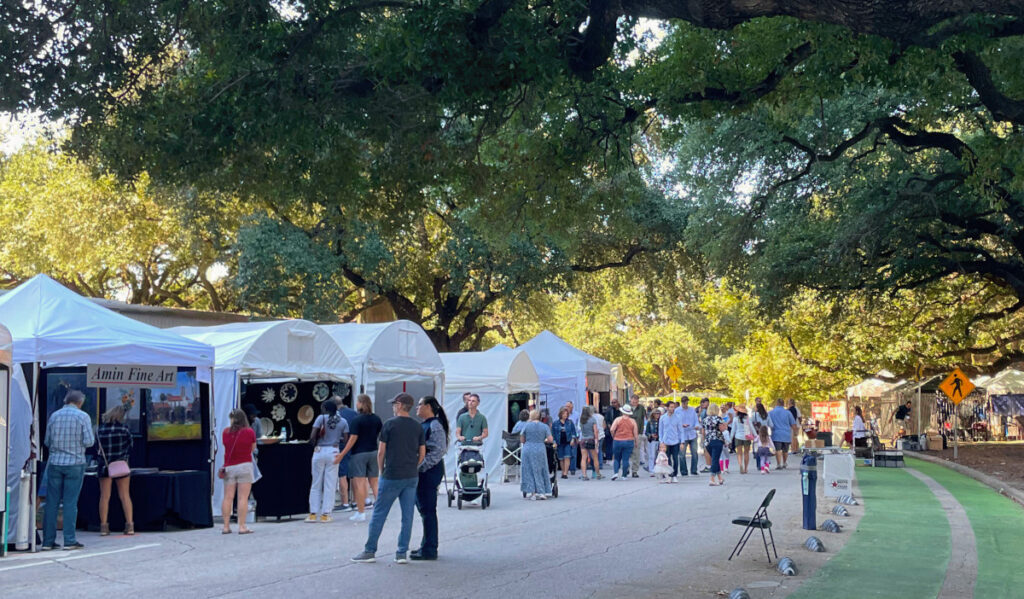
552,468
470,479
511,457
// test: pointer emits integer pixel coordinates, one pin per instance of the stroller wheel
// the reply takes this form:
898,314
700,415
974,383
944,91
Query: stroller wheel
451,497
554,490
460,502
524,495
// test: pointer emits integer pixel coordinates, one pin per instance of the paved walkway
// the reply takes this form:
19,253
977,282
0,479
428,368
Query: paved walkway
927,532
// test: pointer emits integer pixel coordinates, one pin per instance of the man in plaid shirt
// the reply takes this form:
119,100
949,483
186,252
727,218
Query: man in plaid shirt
68,435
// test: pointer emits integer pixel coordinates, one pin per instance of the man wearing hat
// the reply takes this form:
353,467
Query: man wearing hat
400,452
639,448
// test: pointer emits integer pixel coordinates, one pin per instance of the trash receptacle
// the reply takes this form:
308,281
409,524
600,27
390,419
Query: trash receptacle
809,484
826,438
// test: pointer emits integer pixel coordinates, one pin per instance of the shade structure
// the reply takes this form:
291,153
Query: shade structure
295,349
390,358
493,376
1006,382
556,387
872,387
553,352
55,326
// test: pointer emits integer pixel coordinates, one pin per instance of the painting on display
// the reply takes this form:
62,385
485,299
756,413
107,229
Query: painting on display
175,414
129,398
59,383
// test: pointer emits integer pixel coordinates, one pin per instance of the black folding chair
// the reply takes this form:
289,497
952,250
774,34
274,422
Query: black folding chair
758,521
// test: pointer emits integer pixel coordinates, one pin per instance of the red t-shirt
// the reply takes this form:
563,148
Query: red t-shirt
238,446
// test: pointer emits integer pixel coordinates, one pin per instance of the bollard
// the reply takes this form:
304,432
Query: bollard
809,484
739,593
814,544
840,510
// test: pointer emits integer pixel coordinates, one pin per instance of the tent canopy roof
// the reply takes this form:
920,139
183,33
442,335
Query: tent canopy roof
55,326
508,372
275,349
872,387
399,346
6,346
550,377
549,348
1007,381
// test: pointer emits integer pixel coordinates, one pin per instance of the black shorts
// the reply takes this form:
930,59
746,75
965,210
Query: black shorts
589,444
781,446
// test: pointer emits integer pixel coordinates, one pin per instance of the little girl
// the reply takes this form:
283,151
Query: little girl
764,449
723,463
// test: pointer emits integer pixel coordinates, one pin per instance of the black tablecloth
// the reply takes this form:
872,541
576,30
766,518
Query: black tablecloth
179,498
287,476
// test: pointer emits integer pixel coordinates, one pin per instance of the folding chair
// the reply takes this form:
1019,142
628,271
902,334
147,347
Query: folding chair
511,457
758,521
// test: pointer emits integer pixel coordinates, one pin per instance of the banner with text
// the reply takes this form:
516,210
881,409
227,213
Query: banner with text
102,375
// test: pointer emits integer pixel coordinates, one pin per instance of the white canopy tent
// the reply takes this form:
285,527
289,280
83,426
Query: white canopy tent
53,326
390,358
556,387
1006,382
6,347
554,353
493,376
291,349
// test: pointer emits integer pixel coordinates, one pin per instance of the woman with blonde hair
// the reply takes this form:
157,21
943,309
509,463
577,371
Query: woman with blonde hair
714,441
239,442
362,445
115,441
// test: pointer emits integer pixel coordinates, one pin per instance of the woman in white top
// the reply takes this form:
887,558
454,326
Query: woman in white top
860,430
742,435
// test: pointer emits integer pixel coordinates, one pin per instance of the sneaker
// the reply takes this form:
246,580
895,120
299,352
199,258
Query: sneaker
401,558
73,546
364,558
674,480
417,556
358,517
706,469
326,518
367,503
47,547
635,475
541,496
615,476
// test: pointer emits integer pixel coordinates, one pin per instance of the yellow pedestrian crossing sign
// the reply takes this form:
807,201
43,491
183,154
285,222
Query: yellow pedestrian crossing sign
674,372
956,386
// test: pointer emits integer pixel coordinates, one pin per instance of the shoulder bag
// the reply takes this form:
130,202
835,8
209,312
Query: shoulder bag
117,468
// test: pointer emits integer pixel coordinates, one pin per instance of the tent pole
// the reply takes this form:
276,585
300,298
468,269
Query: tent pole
37,448
918,431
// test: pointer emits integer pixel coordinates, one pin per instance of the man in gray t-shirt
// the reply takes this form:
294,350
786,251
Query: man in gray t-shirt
400,452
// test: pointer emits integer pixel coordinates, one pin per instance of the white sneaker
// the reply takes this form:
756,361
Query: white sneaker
533,497
674,479
541,496
357,517
615,476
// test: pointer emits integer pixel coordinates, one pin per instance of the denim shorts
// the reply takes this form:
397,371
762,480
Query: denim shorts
239,473
343,465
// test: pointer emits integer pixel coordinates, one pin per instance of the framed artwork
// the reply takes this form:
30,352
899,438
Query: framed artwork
130,398
57,386
175,414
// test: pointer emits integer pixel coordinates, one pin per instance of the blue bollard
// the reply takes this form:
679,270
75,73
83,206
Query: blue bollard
809,483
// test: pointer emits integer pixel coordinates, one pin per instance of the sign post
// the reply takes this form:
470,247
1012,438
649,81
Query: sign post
956,387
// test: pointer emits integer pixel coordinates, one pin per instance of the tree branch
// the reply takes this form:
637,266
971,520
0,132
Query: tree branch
1002,107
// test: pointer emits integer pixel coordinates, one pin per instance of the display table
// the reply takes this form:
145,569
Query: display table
287,476
181,498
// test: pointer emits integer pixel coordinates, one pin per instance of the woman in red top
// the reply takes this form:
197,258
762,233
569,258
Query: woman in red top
239,442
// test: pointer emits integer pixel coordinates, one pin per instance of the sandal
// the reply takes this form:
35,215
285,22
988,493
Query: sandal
129,528
104,530
225,531
247,531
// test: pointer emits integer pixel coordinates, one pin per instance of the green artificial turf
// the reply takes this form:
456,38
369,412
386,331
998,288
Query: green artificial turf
900,549
998,525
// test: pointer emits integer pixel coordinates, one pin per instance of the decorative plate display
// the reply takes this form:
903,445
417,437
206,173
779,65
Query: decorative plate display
306,415
339,389
277,412
321,391
268,395
289,392
267,425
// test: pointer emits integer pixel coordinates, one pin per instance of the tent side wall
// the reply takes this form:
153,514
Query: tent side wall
494,407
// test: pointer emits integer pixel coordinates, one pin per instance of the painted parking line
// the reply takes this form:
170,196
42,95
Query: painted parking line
78,556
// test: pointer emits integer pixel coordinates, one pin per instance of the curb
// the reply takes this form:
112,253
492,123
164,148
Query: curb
999,486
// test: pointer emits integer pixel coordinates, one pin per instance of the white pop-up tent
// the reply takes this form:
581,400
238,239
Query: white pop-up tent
590,372
53,326
6,347
556,387
279,349
493,376
390,358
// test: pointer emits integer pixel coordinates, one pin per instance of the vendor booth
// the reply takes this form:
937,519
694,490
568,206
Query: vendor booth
500,379
286,369
62,341
390,358
556,388
592,374
1006,396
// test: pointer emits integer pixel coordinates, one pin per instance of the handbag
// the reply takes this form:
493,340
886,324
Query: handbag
117,468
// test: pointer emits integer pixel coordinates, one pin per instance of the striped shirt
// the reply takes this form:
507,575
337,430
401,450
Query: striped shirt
68,435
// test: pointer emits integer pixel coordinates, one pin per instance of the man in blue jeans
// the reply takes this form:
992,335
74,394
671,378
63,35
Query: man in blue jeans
68,435
400,452
690,424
